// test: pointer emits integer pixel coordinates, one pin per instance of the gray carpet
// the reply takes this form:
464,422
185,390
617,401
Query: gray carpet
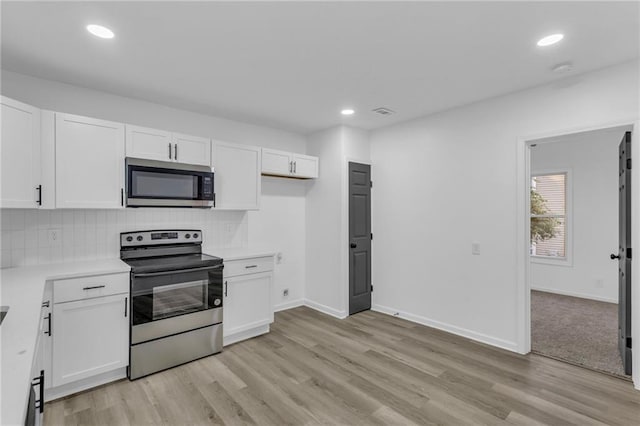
579,331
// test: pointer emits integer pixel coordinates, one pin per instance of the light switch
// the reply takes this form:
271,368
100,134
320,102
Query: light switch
475,248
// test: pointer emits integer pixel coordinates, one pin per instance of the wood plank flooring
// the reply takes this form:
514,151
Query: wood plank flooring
370,369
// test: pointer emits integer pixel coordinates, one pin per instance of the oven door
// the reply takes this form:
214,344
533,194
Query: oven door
160,184
171,302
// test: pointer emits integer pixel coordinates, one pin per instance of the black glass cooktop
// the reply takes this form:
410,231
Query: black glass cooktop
174,262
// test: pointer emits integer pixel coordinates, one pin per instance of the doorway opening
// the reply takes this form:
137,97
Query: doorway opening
579,288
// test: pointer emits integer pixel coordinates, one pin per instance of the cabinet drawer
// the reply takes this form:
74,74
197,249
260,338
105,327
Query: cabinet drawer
88,287
248,266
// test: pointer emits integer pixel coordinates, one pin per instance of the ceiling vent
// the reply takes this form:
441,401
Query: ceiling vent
383,111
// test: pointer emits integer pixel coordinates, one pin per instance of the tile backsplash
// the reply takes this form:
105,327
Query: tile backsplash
32,237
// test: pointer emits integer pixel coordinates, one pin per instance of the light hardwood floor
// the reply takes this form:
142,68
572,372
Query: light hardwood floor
369,369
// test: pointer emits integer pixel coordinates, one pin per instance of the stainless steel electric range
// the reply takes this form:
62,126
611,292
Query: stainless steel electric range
176,299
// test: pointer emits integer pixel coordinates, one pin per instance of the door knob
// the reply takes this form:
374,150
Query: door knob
613,256
353,245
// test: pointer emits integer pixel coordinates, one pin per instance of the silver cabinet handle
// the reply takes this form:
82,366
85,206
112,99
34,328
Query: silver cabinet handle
169,150
175,151
93,287
250,266
126,305
295,166
290,166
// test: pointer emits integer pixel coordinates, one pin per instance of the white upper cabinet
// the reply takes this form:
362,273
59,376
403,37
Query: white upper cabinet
89,162
288,164
151,144
154,144
304,166
20,155
191,149
276,162
237,176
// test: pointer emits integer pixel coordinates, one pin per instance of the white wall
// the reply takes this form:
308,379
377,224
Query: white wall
282,218
592,158
280,198
327,217
324,280
444,181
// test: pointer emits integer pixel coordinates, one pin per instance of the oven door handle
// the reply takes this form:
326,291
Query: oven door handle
175,271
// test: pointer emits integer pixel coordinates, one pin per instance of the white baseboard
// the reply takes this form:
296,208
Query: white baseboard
245,334
51,394
479,337
325,309
580,295
288,305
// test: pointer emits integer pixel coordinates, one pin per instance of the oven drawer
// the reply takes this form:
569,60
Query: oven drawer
160,354
248,266
89,287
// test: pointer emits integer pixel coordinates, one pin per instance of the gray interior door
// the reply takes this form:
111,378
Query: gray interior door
359,237
624,254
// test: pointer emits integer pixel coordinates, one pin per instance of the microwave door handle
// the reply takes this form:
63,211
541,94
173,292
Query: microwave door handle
178,271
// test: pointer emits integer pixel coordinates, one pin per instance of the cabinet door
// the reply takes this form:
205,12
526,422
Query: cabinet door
150,144
191,149
276,162
305,166
237,176
89,162
90,337
19,154
247,302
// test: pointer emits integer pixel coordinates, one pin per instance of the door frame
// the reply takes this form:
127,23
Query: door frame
523,279
344,253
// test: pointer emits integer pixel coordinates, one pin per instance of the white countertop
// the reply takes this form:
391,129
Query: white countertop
22,289
240,253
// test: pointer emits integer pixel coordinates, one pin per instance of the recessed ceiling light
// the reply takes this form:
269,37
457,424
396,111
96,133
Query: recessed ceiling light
550,39
347,111
100,31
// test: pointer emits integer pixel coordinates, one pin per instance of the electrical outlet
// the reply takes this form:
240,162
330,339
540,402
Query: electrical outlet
54,237
599,283
285,292
475,248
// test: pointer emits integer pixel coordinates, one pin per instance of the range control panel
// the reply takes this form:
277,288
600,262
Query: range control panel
152,238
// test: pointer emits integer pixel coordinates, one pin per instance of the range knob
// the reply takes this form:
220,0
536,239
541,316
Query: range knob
129,238
195,235
139,238
187,236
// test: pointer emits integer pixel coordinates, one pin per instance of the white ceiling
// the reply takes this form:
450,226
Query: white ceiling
295,65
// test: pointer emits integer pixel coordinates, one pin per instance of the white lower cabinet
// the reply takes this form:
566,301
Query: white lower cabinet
91,338
89,335
248,309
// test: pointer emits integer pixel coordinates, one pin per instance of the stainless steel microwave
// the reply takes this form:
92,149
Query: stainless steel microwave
163,184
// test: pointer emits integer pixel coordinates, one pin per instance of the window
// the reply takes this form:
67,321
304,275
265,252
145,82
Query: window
549,216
